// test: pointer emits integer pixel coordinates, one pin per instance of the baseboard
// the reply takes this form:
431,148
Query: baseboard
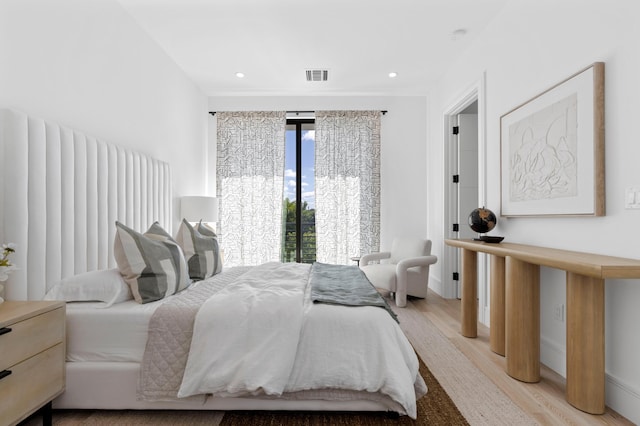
622,398
446,291
436,285
553,355
487,317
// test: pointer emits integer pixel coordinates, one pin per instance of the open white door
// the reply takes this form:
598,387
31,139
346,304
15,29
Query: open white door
465,186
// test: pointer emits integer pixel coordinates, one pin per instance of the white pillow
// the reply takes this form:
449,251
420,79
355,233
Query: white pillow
105,285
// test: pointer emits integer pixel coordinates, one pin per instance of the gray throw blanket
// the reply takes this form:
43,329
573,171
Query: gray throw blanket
344,285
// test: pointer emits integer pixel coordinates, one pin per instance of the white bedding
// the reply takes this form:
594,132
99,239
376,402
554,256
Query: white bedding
358,348
251,326
294,339
117,333
257,343
114,334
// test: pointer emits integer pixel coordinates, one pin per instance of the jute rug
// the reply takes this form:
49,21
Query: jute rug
479,400
435,408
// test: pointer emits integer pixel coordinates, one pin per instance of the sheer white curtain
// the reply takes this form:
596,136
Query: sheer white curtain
347,184
250,183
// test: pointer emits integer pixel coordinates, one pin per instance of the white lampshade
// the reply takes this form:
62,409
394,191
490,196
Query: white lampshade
196,208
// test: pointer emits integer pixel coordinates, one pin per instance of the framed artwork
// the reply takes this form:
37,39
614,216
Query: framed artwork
552,150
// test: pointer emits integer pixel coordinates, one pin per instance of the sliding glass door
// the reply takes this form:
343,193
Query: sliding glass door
299,228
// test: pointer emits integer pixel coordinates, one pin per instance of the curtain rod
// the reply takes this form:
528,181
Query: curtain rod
301,112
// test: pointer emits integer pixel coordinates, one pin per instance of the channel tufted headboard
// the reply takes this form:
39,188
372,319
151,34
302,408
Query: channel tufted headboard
61,193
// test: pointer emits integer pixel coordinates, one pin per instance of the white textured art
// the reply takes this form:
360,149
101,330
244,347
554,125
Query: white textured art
544,153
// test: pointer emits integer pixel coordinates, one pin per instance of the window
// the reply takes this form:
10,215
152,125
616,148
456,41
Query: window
299,228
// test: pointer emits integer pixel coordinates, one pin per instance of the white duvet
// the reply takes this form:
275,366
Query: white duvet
263,335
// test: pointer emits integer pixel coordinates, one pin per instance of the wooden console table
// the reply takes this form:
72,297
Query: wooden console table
515,311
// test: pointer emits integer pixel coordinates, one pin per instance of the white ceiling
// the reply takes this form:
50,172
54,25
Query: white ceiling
273,42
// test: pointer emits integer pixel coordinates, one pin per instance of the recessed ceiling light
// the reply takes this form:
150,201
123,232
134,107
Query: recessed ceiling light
458,34
240,74
393,74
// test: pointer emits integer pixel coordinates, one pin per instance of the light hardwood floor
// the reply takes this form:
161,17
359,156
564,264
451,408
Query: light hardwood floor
544,401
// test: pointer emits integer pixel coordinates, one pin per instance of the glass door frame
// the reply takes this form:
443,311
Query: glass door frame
298,123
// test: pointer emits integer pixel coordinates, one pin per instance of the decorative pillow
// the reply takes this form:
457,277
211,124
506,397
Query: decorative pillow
201,250
219,253
151,263
105,285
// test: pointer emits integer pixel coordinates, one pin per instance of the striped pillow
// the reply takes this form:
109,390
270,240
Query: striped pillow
201,250
151,263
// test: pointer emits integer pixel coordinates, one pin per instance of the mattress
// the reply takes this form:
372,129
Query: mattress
118,382
117,333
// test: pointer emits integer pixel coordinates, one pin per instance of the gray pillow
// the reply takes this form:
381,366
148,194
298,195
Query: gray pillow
201,249
151,263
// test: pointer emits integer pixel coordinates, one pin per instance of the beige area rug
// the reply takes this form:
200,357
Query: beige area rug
479,400
131,418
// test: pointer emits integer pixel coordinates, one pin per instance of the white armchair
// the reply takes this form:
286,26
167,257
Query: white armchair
406,272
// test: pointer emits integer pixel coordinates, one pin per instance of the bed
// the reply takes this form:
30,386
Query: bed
68,191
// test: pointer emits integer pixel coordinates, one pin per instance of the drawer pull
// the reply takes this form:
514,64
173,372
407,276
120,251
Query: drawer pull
4,330
4,373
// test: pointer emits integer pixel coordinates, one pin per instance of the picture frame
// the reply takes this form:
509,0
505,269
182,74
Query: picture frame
552,150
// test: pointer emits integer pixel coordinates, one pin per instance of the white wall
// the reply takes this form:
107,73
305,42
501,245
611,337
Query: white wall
89,66
403,145
529,47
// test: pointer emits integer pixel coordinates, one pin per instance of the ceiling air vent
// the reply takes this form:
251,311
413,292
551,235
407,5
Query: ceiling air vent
317,75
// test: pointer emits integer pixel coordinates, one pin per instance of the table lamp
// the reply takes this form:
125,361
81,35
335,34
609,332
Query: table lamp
199,208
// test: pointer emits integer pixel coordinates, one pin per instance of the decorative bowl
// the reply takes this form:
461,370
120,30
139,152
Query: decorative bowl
491,239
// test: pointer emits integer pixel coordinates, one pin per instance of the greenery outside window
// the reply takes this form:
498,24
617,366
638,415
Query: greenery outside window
299,231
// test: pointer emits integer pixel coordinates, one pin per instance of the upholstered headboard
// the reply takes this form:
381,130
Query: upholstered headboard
62,192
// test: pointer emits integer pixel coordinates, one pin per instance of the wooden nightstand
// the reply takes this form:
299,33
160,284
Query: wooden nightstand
32,358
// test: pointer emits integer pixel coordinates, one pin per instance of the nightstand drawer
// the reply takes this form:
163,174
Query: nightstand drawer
31,336
31,384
